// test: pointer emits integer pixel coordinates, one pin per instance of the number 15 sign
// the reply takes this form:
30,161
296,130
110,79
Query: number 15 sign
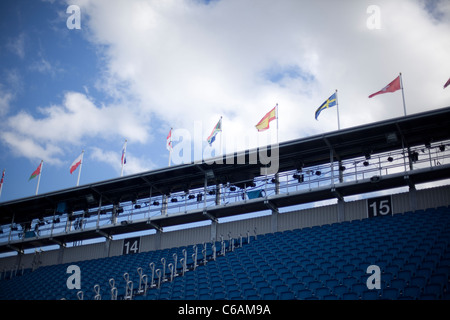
380,206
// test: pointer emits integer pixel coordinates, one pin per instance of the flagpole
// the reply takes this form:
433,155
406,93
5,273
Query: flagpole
277,120
39,178
81,165
403,94
337,108
221,135
170,149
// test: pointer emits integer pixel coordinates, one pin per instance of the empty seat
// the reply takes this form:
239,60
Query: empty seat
434,290
326,262
411,293
399,284
349,281
358,288
270,296
423,272
322,292
404,275
303,294
370,295
418,281
219,295
313,285
340,290
441,279
234,295
390,293
331,283
286,296
350,296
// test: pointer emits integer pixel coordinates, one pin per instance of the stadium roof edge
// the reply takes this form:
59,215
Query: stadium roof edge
414,129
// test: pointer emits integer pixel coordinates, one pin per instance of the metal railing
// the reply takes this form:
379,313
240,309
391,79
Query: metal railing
302,179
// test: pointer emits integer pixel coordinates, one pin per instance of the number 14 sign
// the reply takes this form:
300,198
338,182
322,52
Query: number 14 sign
380,206
131,245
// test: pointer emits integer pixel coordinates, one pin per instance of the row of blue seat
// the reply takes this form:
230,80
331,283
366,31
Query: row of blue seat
409,277
323,262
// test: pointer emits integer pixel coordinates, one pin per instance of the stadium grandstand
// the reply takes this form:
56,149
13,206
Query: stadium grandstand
357,214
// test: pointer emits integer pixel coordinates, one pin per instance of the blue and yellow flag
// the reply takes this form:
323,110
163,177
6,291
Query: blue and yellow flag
331,102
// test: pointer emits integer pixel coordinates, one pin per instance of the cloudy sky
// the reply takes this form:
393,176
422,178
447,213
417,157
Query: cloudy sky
136,68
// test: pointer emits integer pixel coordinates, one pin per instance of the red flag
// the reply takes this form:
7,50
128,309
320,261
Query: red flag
124,150
1,181
76,163
391,87
36,172
447,83
169,140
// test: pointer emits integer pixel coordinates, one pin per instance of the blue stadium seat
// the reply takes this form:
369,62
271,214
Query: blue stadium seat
418,281
412,267
358,288
350,281
339,290
398,284
234,295
350,296
423,272
313,285
322,292
370,295
392,268
434,290
286,296
404,275
303,294
427,296
411,293
327,262
390,293
331,283
441,279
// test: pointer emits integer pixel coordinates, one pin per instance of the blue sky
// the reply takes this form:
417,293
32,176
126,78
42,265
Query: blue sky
137,68
40,61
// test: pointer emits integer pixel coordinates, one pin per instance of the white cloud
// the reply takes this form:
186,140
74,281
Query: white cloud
5,100
71,123
77,118
29,148
182,62
17,45
186,61
44,66
13,80
112,158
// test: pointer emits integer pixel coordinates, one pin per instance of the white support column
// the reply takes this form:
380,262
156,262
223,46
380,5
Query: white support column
158,238
214,230
274,221
412,194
